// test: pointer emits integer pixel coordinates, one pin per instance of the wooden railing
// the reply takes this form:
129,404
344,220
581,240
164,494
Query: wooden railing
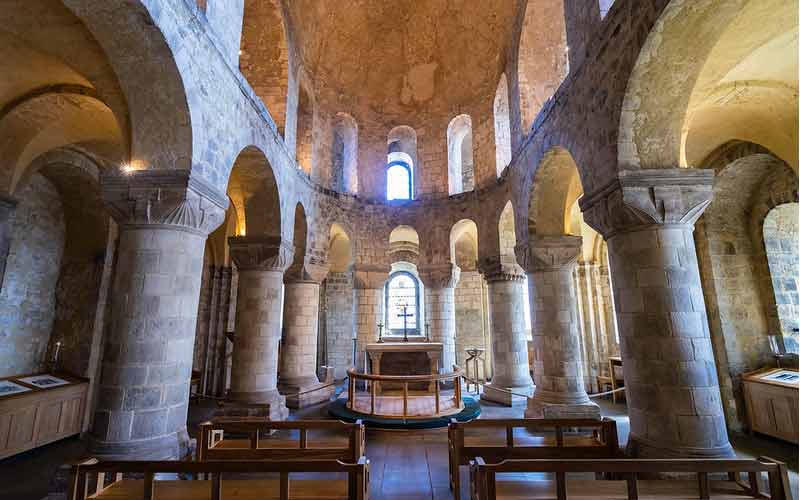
373,382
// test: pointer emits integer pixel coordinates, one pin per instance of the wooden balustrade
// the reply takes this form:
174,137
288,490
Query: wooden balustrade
380,400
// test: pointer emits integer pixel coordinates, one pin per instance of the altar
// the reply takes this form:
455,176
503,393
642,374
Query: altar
405,358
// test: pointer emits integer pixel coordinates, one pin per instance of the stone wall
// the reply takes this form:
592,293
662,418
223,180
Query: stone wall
28,296
781,240
472,327
339,327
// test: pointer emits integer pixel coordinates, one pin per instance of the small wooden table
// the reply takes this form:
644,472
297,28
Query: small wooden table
771,398
39,416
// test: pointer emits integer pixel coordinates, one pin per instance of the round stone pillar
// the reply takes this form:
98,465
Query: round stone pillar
368,284
299,381
673,394
509,339
440,308
261,262
560,391
142,401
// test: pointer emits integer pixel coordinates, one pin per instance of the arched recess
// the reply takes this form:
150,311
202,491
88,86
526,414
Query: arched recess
404,245
502,126
737,82
264,57
555,188
305,129
402,147
734,269
460,164
542,62
344,174
254,195
299,241
464,245
338,328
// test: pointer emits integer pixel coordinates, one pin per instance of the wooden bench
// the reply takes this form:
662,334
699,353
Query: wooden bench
252,439
106,480
485,485
496,441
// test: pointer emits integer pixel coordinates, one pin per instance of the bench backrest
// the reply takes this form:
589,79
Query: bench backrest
213,435
603,442
91,477
483,475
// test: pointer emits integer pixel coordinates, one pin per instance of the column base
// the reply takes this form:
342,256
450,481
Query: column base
270,405
541,409
310,394
639,448
174,446
490,393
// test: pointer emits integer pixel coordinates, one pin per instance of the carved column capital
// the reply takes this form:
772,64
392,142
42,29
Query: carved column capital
263,253
170,198
641,198
500,268
309,269
370,276
438,276
549,253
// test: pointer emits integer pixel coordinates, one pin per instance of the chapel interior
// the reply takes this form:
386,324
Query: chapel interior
545,221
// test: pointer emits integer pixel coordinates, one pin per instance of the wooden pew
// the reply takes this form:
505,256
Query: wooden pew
106,480
596,439
221,439
485,485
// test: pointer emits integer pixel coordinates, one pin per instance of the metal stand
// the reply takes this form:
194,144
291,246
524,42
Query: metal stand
473,365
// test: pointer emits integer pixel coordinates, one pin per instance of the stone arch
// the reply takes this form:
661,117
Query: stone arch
344,174
741,307
460,165
464,245
542,60
732,77
502,125
555,188
264,57
158,140
404,245
340,249
254,194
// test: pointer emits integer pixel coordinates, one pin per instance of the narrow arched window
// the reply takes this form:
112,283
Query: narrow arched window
402,304
399,179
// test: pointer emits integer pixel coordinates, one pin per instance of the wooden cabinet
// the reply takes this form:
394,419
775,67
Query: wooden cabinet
40,416
771,397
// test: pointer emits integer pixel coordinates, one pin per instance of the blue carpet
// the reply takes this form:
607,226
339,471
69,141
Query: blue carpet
338,409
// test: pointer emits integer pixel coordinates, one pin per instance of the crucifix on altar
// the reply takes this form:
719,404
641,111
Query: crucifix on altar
405,315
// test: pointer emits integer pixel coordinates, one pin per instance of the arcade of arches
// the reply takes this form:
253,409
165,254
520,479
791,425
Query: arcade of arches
584,180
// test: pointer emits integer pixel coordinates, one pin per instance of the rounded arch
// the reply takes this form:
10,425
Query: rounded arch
502,126
344,172
403,140
254,194
460,166
264,56
340,249
555,188
404,244
464,245
738,82
542,62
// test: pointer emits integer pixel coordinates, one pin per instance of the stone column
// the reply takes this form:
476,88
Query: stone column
261,262
299,381
647,217
164,218
509,339
560,391
368,284
440,308
7,208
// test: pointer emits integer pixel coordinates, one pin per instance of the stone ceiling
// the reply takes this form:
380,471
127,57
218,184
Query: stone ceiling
401,57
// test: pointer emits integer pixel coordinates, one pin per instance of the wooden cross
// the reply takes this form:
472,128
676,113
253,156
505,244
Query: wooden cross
405,315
